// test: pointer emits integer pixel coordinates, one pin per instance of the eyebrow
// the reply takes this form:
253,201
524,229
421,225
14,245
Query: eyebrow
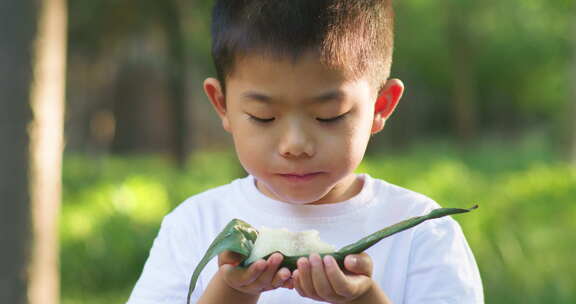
250,95
329,96
322,98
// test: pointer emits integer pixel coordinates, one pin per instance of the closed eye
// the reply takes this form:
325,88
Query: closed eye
332,119
261,120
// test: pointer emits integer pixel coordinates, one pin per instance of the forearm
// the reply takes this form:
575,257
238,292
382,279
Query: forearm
375,295
219,292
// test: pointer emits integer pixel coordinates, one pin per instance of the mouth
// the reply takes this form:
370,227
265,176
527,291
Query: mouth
300,176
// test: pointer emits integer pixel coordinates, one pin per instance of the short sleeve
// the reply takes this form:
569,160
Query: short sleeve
442,268
165,277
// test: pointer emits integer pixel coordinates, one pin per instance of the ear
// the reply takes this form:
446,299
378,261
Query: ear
386,102
213,90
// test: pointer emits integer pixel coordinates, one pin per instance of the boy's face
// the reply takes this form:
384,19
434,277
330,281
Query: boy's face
300,128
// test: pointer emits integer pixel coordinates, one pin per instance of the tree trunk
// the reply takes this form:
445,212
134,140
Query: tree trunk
464,83
47,144
32,40
177,80
17,34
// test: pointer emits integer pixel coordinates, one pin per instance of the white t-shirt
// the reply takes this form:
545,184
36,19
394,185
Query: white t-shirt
430,263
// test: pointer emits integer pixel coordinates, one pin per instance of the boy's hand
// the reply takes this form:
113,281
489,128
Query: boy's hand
260,276
323,280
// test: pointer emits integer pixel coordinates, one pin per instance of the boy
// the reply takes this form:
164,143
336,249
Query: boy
301,86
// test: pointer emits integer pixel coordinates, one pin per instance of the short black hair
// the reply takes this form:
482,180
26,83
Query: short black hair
354,35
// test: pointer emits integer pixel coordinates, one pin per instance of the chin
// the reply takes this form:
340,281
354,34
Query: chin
299,199
291,194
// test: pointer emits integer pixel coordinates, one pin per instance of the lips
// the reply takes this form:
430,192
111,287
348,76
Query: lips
300,176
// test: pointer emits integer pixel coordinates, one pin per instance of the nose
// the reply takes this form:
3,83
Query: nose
295,142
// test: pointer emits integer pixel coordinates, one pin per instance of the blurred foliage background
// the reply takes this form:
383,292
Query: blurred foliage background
488,117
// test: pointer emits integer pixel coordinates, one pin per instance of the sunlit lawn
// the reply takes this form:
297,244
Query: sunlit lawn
522,235
117,296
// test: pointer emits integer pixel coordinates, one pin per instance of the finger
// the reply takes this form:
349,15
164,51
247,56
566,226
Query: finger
337,279
289,284
297,283
281,277
305,277
230,257
359,264
321,284
266,278
237,276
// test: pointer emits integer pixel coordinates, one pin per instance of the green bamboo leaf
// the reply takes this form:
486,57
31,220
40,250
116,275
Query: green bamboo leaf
377,236
367,242
238,236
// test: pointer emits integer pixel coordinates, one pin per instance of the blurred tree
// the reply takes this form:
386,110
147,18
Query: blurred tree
495,64
17,33
472,69
32,40
436,55
47,145
463,92
170,20
100,28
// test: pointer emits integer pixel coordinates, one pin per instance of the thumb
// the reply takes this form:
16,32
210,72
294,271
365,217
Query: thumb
230,257
359,264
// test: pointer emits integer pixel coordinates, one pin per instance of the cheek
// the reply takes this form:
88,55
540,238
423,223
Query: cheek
359,141
357,148
347,149
250,149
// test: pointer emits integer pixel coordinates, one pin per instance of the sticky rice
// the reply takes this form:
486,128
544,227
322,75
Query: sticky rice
288,243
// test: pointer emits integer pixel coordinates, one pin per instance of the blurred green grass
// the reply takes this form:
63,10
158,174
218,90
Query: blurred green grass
523,235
